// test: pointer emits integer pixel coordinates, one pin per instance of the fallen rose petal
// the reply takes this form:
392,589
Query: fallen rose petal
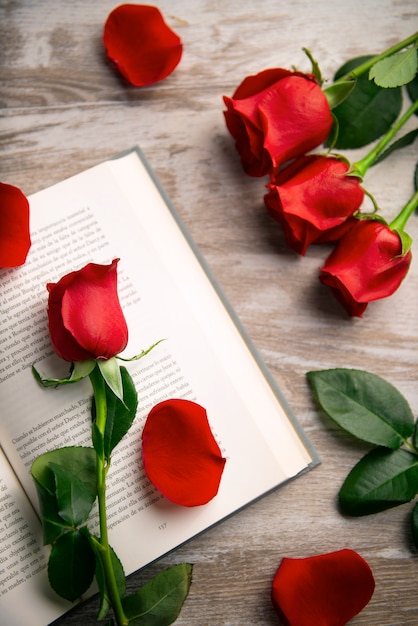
140,44
15,239
323,590
180,454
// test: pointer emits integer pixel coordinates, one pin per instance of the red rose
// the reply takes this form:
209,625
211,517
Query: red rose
14,226
275,116
141,45
180,455
367,264
323,590
312,198
85,317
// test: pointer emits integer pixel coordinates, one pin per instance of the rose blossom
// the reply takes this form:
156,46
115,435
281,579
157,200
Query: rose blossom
140,44
180,454
367,264
15,239
85,317
322,590
275,116
313,198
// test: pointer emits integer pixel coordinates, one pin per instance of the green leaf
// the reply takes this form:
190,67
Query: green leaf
71,565
396,70
382,479
159,601
76,461
414,524
363,404
415,436
412,90
368,112
120,415
105,602
74,501
53,526
111,373
402,142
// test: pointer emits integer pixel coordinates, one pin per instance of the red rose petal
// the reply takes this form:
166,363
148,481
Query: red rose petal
180,455
14,226
323,590
141,45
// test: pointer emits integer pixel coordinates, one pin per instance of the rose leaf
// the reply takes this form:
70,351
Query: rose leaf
363,404
381,479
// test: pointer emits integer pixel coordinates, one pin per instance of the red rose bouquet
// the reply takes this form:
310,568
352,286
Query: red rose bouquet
278,117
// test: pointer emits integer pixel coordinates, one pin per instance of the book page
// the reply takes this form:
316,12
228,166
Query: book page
115,211
23,559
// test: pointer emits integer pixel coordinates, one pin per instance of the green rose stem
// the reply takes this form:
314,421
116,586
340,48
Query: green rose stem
400,221
360,167
98,384
364,67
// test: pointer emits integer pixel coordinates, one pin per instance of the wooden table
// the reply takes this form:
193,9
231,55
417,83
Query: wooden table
64,109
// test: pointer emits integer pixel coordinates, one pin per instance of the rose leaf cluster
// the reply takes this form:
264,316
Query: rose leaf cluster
373,411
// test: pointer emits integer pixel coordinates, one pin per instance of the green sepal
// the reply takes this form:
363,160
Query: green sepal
71,565
80,464
315,67
414,524
406,240
120,414
159,601
338,92
78,371
363,404
111,373
74,501
395,70
141,354
118,570
381,480
368,112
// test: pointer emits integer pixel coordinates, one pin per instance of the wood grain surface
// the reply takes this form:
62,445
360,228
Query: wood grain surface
64,108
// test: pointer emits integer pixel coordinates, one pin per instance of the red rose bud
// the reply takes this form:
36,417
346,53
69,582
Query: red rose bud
275,116
141,45
180,454
85,317
367,264
313,199
14,226
323,590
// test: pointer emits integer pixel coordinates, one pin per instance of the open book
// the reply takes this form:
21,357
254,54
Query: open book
118,210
